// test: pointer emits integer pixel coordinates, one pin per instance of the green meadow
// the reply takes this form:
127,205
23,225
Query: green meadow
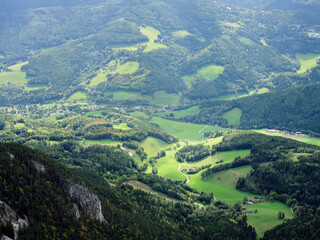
266,216
128,68
16,76
168,167
103,142
182,113
152,34
210,72
227,157
307,61
193,133
94,113
181,33
78,97
153,145
159,97
34,87
122,126
231,24
220,192
233,116
101,77
213,141
246,41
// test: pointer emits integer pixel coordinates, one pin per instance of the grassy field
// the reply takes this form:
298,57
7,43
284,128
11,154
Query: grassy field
78,97
263,90
210,72
168,167
152,34
122,126
233,116
159,97
16,76
193,133
231,24
246,41
153,145
101,77
103,142
163,98
144,187
34,87
227,157
309,140
266,217
229,178
138,114
182,113
264,43
213,141
229,97
307,61
94,113
128,68
220,192
181,33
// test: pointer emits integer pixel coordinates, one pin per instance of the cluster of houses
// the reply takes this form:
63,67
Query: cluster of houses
285,132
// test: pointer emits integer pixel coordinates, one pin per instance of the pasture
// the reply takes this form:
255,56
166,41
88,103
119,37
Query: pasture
181,33
94,113
220,192
233,116
78,97
159,97
246,41
101,77
103,142
152,34
153,145
266,216
122,126
138,114
213,141
127,68
168,167
16,76
307,61
34,87
193,133
227,157
182,113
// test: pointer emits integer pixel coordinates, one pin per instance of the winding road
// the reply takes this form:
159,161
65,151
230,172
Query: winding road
179,169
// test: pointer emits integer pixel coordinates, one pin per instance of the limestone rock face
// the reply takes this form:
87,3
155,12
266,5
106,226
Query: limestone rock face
7,214
38,166
89,202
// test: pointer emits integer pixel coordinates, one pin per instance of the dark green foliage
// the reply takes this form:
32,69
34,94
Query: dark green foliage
296,229
192,153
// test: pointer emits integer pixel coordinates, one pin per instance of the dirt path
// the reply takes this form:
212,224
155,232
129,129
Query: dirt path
179,169
202,130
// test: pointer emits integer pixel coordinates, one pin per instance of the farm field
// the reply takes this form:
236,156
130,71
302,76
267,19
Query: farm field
103,142
16,76
159,97
152,34
101,77
213,141
122,126
138,114
94,113
233,116
181,33
220,192
144,187
168,167
307,61
153,145
229,177
227,157
182,113
210,72
266,216
127,68
185,131
246,41
34,87
309,140
78,97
